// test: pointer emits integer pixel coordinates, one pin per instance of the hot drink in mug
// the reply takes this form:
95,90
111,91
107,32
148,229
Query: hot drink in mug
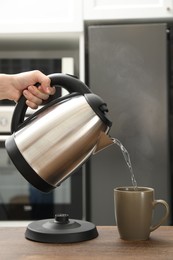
134,208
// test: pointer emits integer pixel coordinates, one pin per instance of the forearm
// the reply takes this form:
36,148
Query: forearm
7,87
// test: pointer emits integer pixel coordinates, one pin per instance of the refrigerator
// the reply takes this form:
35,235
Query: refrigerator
127,65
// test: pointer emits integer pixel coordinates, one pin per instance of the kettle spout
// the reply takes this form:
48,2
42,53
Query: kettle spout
103,142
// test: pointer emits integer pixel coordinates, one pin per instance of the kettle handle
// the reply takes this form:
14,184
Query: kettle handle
69,82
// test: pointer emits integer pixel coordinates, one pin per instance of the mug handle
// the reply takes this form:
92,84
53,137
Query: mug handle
165,204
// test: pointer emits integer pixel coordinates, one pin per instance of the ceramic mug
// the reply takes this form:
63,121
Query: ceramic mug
133,212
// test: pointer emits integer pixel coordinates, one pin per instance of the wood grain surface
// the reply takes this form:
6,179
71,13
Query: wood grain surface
107,245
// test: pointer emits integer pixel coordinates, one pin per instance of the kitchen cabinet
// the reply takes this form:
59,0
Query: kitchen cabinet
38,27
41,16
125,9
67,16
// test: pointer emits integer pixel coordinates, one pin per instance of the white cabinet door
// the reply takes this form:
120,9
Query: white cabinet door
40,16
117,9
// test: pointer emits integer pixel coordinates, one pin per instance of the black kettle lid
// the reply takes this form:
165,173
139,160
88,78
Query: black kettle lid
99,107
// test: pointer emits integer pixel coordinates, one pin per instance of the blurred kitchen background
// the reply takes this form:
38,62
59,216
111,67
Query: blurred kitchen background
123,50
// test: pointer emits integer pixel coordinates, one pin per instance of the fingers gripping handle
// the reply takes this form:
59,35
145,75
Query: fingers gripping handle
70,83
165,204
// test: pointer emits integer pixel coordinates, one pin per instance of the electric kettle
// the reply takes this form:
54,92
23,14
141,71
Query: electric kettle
52,143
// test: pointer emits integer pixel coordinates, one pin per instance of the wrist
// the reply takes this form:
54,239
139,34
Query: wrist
7,87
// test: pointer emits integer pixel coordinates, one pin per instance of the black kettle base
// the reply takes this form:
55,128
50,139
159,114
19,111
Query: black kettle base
60,230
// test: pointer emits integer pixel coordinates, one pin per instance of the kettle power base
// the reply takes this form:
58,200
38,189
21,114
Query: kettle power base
52,231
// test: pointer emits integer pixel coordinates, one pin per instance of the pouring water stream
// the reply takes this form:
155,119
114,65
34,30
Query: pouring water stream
128,161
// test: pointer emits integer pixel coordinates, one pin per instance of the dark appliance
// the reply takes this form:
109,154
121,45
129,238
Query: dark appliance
127,62
18,199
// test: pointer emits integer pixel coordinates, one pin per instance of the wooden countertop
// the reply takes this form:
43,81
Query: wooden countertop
108,246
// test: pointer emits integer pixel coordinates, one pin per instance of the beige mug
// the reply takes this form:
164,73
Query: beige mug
134,210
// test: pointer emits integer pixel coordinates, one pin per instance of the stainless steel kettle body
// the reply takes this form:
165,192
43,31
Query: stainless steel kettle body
51,144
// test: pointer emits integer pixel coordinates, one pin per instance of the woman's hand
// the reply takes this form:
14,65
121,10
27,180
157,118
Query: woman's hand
13,86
